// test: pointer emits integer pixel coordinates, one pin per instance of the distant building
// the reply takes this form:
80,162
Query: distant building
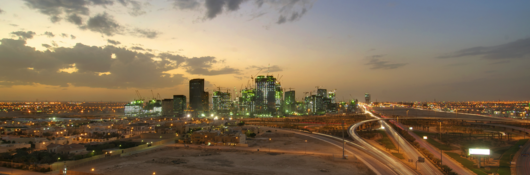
221,102
290,102
167,107
367,98
134,108
179,105
196,94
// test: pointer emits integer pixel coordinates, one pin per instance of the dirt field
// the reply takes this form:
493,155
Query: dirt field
193,161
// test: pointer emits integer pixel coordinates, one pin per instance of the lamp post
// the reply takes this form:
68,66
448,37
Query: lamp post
440,130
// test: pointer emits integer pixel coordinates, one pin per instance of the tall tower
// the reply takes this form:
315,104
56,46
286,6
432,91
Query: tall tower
367,98
179,105
196,94
265,92
290,101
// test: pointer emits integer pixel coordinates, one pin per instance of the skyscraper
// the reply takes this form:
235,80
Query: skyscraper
290,102
167,107
196,94
179,105
265,92
367,98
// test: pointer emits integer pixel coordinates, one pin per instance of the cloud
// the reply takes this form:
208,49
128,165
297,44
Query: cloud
24,35
273,68
136,7
23,65
113,42
145,33
185,4
14,25
105,24
137,48
72,37
287,10
75,19
46,45
203,66
511,50
49,34
56,8
376,63
294,16
64,35
1,11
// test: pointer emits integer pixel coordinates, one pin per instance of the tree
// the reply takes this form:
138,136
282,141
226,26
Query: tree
252,134
241,124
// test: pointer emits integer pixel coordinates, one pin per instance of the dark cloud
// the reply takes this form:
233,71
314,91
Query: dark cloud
64,35
49,34
104,24
203,66
72,37
113,42
23,35
136,7
23,65
76,19
273,68
1,11
145,33
515,49
501,62
213,8
186,4
46,45
56,8
14,25
233,5
137,48
293,17
376,63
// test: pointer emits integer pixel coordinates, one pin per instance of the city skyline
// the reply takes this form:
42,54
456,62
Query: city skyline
394,51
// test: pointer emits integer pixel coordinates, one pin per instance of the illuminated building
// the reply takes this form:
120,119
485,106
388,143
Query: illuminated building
221,102
179,105
204,101
247,101
265,94
196,94
367,98
290,102
133,108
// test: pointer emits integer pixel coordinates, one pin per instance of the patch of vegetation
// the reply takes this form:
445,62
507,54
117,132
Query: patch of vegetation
398,155
507,157
467,163
385,141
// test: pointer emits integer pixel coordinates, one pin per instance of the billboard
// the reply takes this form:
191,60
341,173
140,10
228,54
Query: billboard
476,151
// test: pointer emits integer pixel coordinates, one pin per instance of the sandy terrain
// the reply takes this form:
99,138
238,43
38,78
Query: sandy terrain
249,161
192,161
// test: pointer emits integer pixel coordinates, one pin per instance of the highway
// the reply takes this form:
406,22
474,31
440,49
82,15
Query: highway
409,150
425,114
379,167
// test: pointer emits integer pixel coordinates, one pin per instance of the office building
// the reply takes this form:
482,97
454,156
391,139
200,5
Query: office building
179,105
167,107
367,98
196,94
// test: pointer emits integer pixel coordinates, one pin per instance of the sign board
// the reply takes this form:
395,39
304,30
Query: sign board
475,151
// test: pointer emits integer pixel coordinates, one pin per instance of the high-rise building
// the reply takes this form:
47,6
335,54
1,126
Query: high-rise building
221,102
205,101
196,94
265,93
179,105
167,107
290,102
367,98
247,101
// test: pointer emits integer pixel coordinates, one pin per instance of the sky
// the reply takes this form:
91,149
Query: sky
105,50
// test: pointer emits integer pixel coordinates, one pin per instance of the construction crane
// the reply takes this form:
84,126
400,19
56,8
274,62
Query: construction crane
158,96
138,94
152,94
